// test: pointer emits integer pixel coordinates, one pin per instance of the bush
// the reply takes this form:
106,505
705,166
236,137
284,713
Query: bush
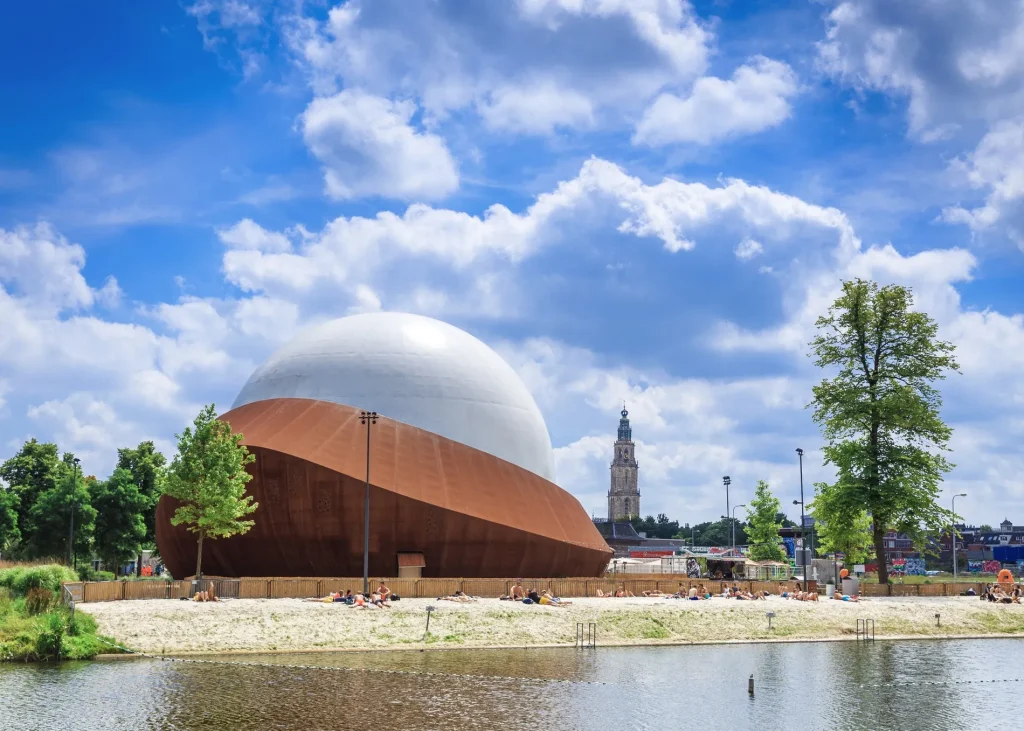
50,640
39,601
22,578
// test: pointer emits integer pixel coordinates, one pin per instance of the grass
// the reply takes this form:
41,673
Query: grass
35,625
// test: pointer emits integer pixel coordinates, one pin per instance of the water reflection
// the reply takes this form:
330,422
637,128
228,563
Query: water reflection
799,686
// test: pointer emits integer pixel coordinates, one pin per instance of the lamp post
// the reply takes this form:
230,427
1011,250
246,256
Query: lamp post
71,529
803,527
368,418
953,530
734,525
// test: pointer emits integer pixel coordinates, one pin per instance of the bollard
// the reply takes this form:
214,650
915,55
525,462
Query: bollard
750,685
937,620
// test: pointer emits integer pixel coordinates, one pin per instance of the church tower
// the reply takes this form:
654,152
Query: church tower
624,496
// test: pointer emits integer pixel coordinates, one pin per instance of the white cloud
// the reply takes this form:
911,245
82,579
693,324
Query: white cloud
535,108
748,249
509,60
996,165
368,147
756,98
953,61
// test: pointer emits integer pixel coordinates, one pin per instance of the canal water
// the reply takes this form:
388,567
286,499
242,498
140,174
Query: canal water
841,685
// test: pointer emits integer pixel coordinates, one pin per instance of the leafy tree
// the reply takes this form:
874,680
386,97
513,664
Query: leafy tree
31,472
719,533
784,521
51,513
985,528
148,470
120,526
660,527
763,533
207,477
840,529
880,413
9,532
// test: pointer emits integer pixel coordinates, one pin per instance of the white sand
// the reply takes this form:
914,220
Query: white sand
170,626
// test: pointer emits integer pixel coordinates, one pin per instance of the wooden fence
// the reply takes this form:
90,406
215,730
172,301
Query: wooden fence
299,588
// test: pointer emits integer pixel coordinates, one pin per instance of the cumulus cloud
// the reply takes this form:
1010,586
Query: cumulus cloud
508,59
953,61
996,165
748,249
368,147
755,98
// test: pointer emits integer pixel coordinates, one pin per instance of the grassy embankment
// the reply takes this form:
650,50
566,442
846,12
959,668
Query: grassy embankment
34,624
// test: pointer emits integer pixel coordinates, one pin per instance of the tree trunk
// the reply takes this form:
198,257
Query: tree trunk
199,558
138,566
883,569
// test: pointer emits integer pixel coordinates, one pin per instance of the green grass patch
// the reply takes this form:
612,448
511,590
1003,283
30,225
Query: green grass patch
35,626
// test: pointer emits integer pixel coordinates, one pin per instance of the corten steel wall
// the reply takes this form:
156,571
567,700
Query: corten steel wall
469,513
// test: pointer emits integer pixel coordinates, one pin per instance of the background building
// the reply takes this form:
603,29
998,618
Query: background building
624,493
460,463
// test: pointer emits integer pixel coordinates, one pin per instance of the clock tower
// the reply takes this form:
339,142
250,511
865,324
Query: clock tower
624,496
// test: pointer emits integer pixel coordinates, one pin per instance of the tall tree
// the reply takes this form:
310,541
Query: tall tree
9,531
840,530
207,477
763,531
148,469
51,514
29,473
120,526
880,413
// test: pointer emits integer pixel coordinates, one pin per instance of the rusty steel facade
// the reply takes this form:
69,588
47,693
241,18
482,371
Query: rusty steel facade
469,513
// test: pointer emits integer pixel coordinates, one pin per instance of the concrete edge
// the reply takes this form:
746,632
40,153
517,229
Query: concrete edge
655,643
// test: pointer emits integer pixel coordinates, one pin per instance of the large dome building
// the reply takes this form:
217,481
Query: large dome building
460,462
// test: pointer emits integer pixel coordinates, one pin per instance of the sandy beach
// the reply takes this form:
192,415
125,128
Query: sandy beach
262,625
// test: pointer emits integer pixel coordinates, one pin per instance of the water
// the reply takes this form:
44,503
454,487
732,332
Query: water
841,685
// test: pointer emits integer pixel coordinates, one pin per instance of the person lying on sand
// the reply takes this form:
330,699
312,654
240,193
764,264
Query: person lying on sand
553,601
459,596
655,595
623,592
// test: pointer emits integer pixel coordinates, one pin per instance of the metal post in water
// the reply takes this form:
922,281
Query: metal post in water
750,685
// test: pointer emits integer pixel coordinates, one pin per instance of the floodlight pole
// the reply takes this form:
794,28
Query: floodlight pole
368,418
803,526
71,529
952,528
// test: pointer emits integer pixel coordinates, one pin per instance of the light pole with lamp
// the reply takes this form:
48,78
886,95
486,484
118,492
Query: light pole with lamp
953,530
367,418
803,527
71,529
734,525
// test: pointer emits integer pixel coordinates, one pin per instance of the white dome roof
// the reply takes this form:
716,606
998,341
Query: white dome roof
416,370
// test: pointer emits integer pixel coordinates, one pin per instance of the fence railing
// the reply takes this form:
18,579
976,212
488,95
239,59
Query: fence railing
300,588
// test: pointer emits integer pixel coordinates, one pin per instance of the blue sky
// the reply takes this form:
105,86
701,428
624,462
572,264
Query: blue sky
640,200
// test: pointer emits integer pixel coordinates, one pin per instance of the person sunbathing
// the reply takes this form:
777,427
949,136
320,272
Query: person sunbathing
517,594
553,601
384,592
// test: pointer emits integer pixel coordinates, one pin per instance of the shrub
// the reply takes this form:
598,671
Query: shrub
22,578
50,640
39,601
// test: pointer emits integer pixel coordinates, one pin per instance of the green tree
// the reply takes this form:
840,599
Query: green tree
763,533
880,413
207,478
985,528
719,533
839,529
9,532
148,470
51,514
120,526
28,474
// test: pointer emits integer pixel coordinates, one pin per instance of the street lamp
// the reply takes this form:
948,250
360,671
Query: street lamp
803,528
71,529
734,526
953,527
368,418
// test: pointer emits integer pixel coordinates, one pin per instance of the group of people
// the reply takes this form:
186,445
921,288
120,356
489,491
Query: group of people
701,592
544,598
377,599
1002,593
